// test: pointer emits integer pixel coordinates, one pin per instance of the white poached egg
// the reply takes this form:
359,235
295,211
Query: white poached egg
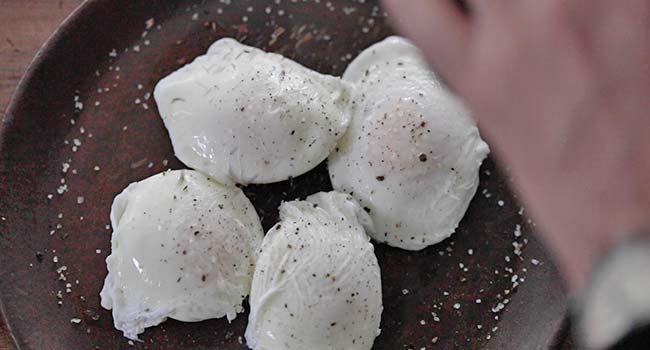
245,116
412,153
183,246
317,283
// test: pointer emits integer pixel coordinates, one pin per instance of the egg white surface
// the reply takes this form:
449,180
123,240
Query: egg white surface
412,152
317,284
245,116
183,246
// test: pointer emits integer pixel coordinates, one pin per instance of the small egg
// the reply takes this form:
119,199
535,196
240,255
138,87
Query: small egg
412,153
245,116
183,247
317,284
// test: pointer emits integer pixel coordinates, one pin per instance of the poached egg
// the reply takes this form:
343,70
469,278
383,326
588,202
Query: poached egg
183,246
242,115
317,284
412,153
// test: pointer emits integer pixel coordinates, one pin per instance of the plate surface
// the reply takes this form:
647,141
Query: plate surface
82,123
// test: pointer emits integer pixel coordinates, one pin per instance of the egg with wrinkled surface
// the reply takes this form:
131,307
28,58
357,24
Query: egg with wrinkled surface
184,247
245,116
412,154
317,284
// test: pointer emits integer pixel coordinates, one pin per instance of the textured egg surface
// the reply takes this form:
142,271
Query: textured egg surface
317,283
183,246
412,153
245,116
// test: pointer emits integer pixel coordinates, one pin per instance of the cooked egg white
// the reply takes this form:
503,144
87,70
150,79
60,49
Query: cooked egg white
413,152
184,247
245,116
317,283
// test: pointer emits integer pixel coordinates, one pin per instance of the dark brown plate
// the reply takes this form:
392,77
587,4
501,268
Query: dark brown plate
129,143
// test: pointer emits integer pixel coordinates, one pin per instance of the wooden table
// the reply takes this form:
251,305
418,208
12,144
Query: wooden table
26,24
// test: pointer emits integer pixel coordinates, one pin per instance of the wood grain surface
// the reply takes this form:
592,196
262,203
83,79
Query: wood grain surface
26,24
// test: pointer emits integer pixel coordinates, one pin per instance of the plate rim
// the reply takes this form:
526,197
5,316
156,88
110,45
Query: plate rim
40,58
